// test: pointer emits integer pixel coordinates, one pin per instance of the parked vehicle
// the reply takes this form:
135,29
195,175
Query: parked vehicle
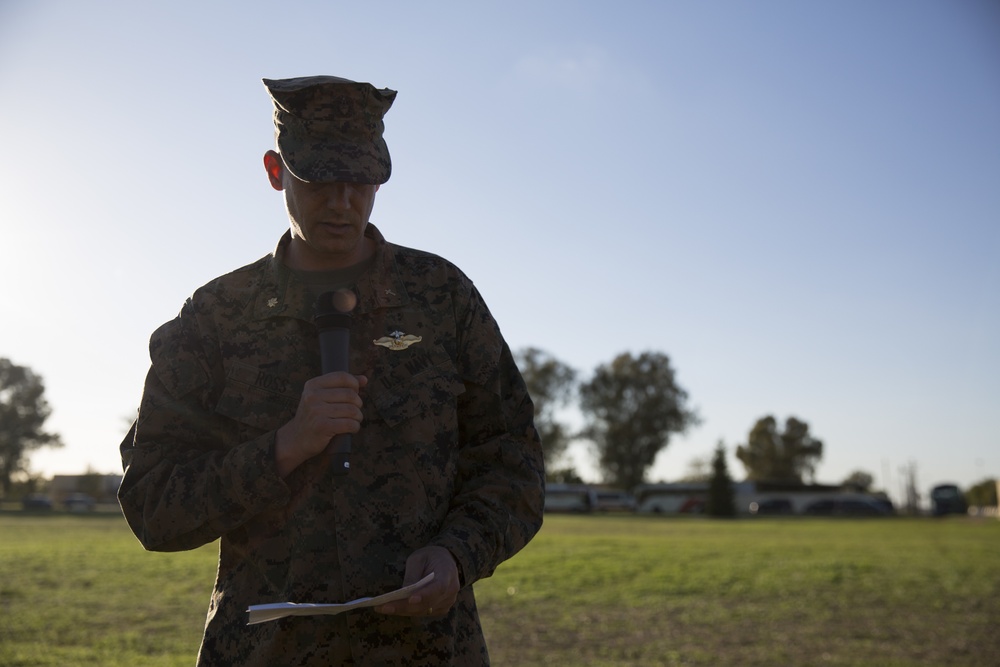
609,500
569,498
848,506
883,501
678,498
755,498
772,506
693,506
947,499
36,501
79,502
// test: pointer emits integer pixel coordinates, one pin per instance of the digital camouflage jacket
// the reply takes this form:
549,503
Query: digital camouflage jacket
447,455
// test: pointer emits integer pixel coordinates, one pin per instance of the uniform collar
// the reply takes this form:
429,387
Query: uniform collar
281,294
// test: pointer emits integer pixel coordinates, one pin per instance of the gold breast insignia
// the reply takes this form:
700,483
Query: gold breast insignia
397,340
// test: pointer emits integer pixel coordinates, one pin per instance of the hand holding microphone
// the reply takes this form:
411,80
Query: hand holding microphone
333,320
329,409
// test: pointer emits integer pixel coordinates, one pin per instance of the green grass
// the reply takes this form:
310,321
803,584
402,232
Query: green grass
647,591
589,590
80,590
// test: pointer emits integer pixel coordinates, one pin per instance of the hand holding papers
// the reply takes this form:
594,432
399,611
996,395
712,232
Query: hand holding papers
261,613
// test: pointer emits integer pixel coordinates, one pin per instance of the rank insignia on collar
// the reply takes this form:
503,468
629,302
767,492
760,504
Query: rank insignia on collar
397,340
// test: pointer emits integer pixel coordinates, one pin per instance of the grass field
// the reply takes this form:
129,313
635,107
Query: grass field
590,590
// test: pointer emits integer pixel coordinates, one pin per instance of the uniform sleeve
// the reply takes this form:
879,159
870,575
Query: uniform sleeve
500,493
185,483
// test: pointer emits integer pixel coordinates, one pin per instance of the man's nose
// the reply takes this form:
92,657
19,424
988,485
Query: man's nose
339,195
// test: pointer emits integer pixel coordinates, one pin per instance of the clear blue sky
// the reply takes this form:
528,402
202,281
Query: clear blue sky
798,202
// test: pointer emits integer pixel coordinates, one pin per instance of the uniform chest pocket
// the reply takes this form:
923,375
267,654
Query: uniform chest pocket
413,407
257,398
414,383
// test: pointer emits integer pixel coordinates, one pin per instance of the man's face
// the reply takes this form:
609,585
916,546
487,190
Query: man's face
328,220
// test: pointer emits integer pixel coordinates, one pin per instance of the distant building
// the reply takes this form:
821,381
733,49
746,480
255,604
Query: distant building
102,488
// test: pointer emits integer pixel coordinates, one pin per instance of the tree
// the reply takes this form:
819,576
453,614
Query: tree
787,457
26,484
983,494
23,411
721,499
859,481
632,406
551,385
563,476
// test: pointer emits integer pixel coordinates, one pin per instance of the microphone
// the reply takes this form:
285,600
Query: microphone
333,321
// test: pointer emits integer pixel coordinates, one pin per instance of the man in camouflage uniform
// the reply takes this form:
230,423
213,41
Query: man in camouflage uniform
231,437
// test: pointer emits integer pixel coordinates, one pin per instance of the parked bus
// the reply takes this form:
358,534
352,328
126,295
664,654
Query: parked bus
947,499
570,498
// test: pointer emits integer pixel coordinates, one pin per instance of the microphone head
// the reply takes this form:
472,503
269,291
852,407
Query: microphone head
333,309
340,300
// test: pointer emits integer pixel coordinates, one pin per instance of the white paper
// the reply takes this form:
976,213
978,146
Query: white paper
261,613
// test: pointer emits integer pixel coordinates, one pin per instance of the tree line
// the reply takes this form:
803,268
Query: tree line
632,407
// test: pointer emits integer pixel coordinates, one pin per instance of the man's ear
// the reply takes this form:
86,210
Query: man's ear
275,168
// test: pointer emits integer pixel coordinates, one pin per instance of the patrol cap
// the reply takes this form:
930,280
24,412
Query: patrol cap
330,129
